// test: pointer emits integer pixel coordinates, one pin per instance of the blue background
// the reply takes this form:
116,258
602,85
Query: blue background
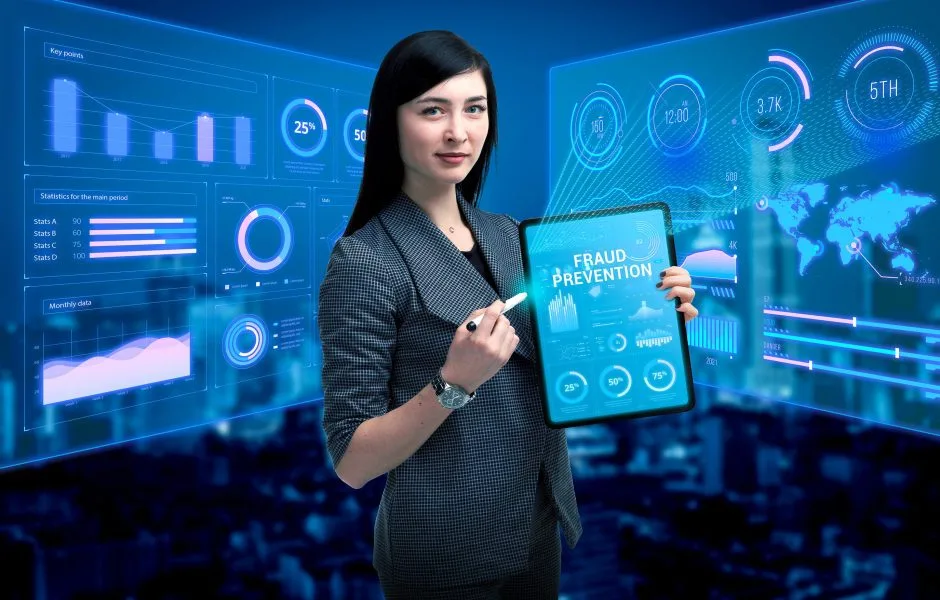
745,497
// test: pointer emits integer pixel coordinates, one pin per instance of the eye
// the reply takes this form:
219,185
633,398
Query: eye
479,108
430,111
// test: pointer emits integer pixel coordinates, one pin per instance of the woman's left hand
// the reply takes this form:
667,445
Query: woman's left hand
679,283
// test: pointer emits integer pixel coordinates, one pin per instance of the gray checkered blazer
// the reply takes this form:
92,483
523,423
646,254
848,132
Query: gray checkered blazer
460,509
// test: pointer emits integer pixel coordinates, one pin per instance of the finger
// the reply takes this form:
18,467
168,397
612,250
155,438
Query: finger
685,294
674,270
674,280
509,344
690,311
501,329
490,316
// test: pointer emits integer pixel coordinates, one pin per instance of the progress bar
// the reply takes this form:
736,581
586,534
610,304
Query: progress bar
853,321
814,366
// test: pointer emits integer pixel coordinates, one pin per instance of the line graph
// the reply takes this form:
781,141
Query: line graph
93,105
93,352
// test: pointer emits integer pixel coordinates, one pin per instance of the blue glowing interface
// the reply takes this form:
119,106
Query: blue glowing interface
799,160
178,207
610,344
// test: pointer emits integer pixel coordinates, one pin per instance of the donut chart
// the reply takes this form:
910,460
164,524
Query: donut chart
659,375
571,387
303,127
245,341
243,245
354,133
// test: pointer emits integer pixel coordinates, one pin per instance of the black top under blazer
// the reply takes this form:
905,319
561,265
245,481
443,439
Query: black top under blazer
459,510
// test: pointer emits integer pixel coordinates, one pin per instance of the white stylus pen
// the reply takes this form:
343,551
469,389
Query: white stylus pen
472,325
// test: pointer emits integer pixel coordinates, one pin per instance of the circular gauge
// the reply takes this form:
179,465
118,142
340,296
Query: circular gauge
597,128
887,87
249,239
617,342
677,117
245,341
354,133
303,127
771,102
571,387
659,375
643,241
615,381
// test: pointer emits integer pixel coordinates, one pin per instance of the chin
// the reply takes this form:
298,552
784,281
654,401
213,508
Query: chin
452,177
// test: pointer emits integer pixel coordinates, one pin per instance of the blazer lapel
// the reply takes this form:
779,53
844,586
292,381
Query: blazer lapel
448,284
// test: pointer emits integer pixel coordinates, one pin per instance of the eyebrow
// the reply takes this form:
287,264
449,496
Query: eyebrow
437,100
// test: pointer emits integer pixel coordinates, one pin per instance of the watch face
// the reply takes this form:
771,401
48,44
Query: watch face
452,398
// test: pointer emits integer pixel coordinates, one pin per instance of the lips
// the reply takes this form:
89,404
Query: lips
452,158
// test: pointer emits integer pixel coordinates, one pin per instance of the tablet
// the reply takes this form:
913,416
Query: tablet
610,345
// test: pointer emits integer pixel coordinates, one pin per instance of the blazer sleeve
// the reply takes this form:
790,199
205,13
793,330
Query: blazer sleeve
358,330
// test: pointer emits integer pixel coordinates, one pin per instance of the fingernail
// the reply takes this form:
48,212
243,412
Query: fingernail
660,284
662,273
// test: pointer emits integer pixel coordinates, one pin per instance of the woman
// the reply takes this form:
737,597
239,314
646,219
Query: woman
477,484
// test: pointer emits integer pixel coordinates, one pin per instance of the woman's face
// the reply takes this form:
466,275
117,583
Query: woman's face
442,131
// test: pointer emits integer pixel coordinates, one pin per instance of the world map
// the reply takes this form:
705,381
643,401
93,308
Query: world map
879,216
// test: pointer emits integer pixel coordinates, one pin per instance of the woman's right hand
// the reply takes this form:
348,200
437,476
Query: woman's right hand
474,357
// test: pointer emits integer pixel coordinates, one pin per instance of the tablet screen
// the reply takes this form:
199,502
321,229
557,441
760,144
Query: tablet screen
610,345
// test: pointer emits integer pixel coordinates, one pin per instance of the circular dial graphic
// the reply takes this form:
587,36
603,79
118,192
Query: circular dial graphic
617,342
254,236
571,387
772,101
597,128
643,242
677,117
659,375
303,127
245,341
888,87
615,381
354,133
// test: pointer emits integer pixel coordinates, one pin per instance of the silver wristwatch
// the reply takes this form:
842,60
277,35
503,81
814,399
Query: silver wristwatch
450,395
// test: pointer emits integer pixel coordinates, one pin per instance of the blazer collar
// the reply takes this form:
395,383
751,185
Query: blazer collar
449,286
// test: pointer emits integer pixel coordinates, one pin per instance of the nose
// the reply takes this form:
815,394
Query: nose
457,129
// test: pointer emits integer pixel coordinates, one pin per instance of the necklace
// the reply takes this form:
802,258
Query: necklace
451,229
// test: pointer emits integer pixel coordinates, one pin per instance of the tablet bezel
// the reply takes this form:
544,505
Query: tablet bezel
533,313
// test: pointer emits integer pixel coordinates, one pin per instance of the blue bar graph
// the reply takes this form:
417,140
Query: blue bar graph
163,145
242,141
205,141
64,116
709,333
117,134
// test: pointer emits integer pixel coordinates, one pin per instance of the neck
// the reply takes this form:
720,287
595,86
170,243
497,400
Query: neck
439,202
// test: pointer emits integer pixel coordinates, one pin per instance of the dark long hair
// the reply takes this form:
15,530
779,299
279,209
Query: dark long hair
412,67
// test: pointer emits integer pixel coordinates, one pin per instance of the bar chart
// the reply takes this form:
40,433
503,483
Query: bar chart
714,333
562,313
136,111
86,226
167,144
